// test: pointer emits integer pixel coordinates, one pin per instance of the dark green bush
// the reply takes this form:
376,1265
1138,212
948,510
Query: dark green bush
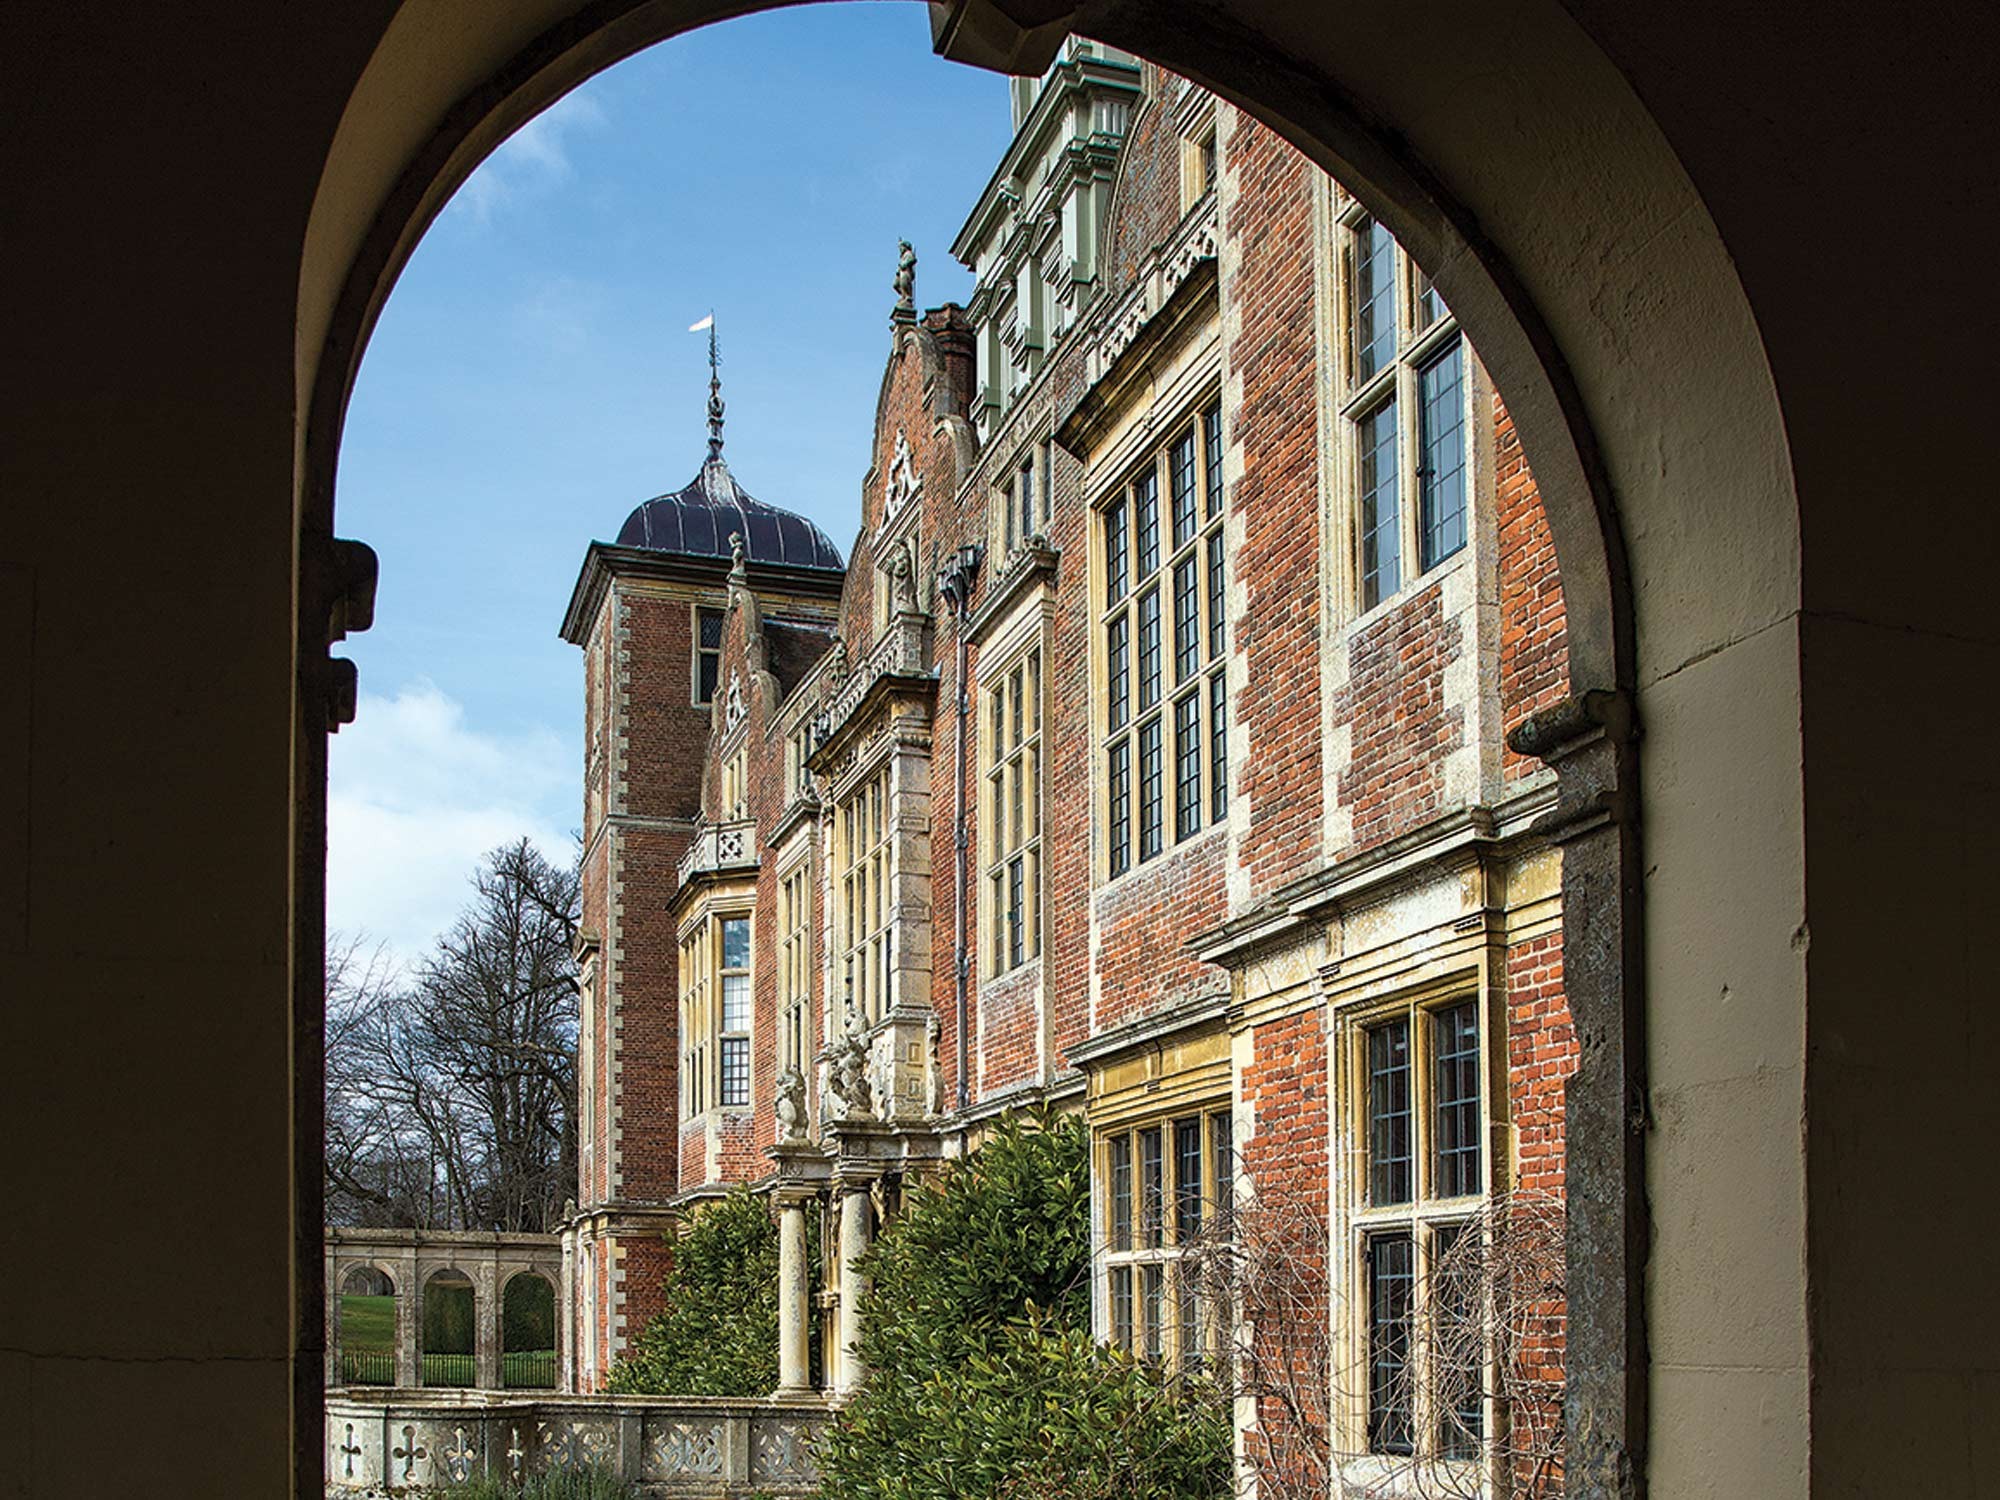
984,1382
718,1335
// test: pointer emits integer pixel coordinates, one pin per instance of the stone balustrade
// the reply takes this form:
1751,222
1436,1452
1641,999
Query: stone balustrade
720,846
394,1442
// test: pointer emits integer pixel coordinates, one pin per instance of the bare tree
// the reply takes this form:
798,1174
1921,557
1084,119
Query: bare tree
449,1099
1479,1369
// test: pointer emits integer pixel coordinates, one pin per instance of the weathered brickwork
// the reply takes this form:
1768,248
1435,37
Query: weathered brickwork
1272,424
1285,1163
1534,656
1143,922
1541,1055
1402,725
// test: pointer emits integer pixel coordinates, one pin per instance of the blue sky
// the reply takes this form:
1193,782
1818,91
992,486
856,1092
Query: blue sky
532,380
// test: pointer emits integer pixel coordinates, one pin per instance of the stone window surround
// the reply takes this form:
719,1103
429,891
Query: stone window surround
699,940
1344,402
1351,1018
1175,409
797,876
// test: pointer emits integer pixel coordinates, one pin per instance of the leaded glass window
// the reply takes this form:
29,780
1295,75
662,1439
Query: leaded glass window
1164,623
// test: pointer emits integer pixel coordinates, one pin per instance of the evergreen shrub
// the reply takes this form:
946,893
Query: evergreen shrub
983,1380
718,1332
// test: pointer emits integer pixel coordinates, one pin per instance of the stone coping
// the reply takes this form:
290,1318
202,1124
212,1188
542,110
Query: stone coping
394,1441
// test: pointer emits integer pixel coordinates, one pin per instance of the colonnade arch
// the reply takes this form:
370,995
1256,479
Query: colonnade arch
417,1266
1511,158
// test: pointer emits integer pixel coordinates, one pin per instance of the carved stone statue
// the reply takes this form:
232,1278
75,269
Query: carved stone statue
903,573
850,1081
791,1106
836,665
906,278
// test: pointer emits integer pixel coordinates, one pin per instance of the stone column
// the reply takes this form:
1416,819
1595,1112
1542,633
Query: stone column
856,1234
486,1320
793,1282
409,1304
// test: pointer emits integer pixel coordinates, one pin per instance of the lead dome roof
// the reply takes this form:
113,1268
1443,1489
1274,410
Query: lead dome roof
697,521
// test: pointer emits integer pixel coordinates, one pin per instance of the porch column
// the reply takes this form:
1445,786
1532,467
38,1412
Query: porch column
793,1281
856,1234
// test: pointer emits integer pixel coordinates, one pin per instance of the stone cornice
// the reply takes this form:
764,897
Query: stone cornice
1031,566
1460,838
1148,1031
604,561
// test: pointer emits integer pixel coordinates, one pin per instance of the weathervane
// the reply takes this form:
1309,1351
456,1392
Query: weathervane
714,388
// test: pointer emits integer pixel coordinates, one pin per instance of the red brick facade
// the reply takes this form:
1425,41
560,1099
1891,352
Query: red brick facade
1376,838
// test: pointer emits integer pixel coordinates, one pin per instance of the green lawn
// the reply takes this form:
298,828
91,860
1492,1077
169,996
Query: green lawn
368,1323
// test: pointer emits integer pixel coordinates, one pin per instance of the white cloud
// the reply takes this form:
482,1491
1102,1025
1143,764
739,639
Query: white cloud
416,795
533,159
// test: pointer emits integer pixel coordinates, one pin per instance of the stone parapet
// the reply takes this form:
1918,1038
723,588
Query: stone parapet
397,1442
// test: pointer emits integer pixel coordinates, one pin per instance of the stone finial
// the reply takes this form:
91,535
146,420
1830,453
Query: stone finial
906,283
739,558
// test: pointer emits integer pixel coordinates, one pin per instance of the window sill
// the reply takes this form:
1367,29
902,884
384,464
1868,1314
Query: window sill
1171,855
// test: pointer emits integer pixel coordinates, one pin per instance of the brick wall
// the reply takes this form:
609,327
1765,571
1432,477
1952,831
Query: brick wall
1541,1055
1284,1154
1534,651
1271,420
1401,725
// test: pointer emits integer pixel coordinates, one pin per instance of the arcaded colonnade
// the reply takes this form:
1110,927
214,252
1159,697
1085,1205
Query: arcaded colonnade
411,1258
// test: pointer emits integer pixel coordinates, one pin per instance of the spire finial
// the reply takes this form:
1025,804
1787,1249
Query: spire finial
714,395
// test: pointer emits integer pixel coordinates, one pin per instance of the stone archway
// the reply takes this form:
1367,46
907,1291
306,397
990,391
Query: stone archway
1510,155
362,1341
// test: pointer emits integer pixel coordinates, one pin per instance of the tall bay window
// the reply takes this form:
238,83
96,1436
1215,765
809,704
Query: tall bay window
1405,398
715,1014
1167,1182
733,1040
1014,815
695,1097
1163,625
864,898
1422,1134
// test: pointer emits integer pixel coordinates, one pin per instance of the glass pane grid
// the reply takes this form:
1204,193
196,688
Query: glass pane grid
1391,1282
1389,1146
1151,788
1187,767
1381,522
1456,1105
1180,478
1441,447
